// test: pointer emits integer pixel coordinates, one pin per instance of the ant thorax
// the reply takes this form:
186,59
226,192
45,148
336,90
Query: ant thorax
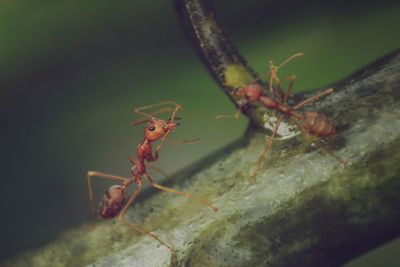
251,92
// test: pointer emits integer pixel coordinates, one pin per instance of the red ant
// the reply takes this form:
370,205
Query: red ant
310,122
114,202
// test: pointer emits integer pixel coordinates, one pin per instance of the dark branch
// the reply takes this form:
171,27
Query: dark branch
222,59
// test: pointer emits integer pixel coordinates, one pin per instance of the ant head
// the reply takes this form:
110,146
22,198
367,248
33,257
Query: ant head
157,128
113,200
251,92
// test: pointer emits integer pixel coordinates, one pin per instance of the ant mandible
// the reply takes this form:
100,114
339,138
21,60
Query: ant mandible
311,123
114,202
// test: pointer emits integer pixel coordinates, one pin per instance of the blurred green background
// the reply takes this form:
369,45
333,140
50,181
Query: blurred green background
71,72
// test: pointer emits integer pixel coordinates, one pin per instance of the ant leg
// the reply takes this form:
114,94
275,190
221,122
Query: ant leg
139,121
235,116
161,144
168,132
151,166
177,107
274,77
274,69
329,152
283,97
162,103
319,146
90,174
268,145
148,164
187,195
292,79
313,98
121,219
183,141
279,90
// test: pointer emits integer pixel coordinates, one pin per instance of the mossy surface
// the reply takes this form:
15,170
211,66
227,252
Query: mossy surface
325,225
236,75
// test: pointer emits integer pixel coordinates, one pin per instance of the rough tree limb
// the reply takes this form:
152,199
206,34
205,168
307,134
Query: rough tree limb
304,209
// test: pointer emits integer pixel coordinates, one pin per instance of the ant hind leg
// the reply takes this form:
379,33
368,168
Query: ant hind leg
313,98
187,195
319,146
121,219
268,145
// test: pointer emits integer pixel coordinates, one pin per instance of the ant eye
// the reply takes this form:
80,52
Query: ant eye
151,128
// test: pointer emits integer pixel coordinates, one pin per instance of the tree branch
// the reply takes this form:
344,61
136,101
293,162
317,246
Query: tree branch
223,60
304,209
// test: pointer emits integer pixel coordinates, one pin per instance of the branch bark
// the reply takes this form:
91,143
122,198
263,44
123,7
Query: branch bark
304,209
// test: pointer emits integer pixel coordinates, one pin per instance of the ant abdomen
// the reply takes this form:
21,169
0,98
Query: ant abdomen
113,201
318,124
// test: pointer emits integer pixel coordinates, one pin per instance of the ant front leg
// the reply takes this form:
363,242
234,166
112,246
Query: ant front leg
284,97
167,133
187,195
156,153
235,116
177,107
90,174
273,77
241,108
268,145
274,70
292,79
121,219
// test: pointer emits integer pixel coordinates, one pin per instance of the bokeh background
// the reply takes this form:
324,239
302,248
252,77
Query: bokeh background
71,72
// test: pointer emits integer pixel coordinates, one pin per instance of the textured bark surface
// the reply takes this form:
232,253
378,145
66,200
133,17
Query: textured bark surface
303,209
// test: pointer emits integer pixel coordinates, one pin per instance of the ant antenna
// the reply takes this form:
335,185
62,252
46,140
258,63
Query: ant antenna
152,116
289,59
162,103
